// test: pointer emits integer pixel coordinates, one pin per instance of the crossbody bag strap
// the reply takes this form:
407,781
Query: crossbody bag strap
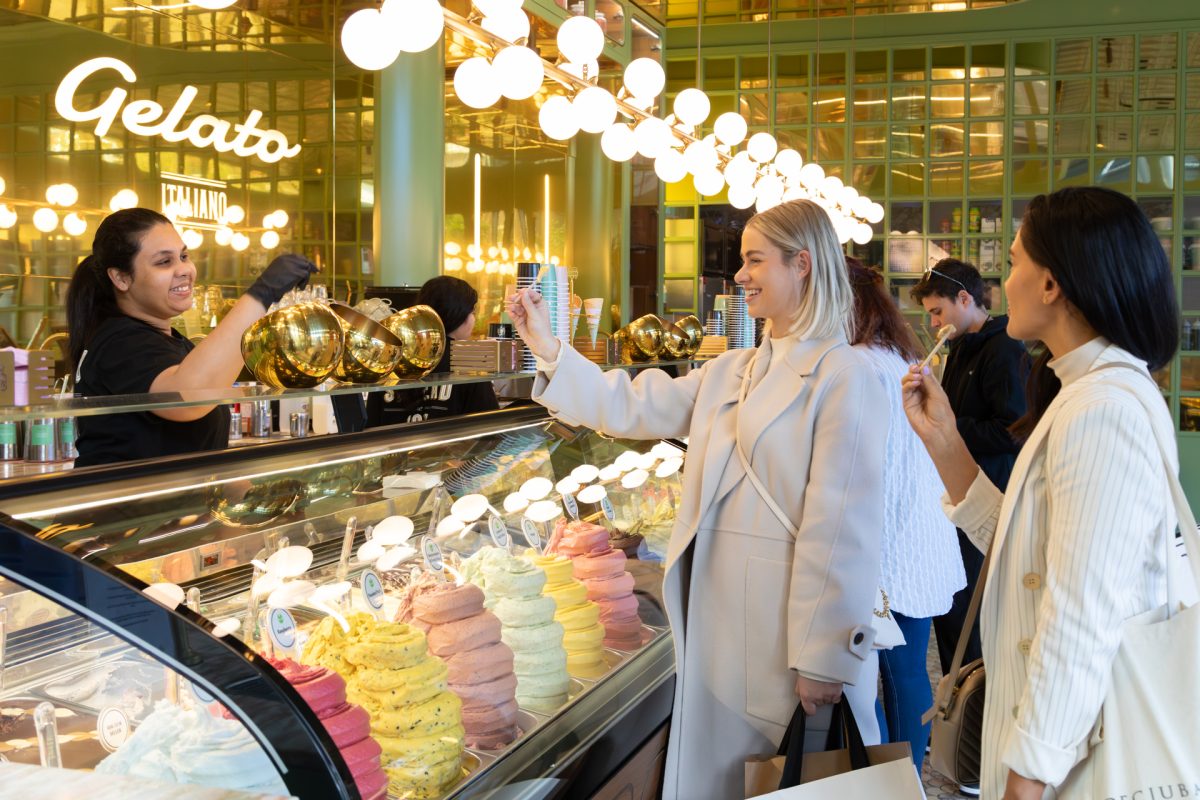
945,693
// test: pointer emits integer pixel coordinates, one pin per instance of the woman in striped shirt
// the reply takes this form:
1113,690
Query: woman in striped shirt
1080,541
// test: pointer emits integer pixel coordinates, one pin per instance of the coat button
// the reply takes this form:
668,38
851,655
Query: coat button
858,638
1033,581
1025,646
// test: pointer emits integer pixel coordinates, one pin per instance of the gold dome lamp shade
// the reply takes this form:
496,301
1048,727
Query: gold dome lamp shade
370,351
296,347
675,341
423,335
642,339
695,333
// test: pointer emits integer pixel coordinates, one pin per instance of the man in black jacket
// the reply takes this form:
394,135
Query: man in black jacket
984,378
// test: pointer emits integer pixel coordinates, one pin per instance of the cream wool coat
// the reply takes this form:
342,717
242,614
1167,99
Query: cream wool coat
749,604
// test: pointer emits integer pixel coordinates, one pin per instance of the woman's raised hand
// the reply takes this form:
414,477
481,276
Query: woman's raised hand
531,317
927,406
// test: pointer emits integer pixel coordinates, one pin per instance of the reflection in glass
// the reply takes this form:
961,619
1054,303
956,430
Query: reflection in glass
870,104
1072,135
830,105
1072,172
1073,96
1072,55
946,179
1031,97
1114,53
946,139
908,141
1158,51
831,145
791,108
1154,173
1115,173
947,100
870,141
1029,136
1030,176
987,99
985,177
987,138
1156,93
908,179
908,103
1156,132
1114,134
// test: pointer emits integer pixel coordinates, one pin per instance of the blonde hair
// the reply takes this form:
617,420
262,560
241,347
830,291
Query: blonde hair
825,308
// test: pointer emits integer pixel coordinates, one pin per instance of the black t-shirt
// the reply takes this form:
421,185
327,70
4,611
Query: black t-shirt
124,357
416,405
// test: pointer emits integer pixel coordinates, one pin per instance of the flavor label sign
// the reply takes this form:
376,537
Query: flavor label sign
112,728
433,556
372,589
499,531
571,505
609,511
529,528
283,628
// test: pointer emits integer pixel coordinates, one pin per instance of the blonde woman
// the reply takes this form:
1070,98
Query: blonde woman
762,613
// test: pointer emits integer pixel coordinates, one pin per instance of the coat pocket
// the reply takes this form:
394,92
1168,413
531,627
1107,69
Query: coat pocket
770,684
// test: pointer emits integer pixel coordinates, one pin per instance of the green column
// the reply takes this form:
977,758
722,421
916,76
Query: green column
589,237
409,154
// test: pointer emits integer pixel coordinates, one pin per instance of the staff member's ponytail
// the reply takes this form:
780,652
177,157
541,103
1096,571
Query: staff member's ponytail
91,298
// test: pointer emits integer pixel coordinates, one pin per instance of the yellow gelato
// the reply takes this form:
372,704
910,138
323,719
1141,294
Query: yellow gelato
583,635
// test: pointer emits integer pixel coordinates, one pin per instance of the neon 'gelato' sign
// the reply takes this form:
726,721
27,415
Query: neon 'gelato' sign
148,118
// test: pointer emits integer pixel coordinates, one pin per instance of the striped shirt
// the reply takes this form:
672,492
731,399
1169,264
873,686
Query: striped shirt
1085,548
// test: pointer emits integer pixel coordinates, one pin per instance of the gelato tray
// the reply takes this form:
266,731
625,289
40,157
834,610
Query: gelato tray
128,684
77,738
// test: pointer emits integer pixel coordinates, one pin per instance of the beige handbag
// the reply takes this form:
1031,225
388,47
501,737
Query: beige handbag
955,737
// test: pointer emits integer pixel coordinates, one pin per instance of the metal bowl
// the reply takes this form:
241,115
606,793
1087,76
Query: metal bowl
423,335
295,347
695,333
370,350
251,504
646,335
675,341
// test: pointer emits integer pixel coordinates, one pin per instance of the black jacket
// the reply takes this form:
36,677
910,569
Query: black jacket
985,380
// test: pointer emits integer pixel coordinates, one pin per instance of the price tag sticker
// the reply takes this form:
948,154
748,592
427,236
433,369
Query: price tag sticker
433,556
571,505
283,628
372,589
529,528
609,511
499,531
112,728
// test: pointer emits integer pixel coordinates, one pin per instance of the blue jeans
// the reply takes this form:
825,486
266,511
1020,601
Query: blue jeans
906,690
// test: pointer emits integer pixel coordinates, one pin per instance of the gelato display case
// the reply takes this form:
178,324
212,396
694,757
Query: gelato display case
460,608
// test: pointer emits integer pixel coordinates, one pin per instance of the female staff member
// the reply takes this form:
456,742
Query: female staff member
921,566
1087,515
761,612
454,300
119,309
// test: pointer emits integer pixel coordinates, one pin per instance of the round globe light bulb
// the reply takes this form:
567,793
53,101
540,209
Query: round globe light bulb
670,167
740,172
831,187
692,106
192,239
875,214
762,147
862,233
811,175
846,197
708,182
269,221
62,194
475,84
769,186
235,214
367,41
595,108
652,135
74,224
126,198
240,242
3,185
280,218
789,163
52,194
795,193
557,118
8,217
700,157
766,203
861,206
519,71
618,142
644,78
269,240
730,128
45,220
223,236
741,195
580,39
511,24
416,24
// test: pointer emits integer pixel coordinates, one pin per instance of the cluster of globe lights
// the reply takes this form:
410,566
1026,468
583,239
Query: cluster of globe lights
64,195
758,174
492,260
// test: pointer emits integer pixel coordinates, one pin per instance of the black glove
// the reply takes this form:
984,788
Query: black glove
286,272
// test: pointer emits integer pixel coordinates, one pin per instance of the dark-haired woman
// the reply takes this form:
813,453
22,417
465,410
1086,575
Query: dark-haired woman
455,301
120,304
921,566
1080,541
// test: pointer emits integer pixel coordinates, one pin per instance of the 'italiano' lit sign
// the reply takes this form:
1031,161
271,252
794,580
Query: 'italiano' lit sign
146,117
194,202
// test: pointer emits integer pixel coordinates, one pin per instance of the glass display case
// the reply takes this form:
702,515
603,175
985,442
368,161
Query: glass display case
156,588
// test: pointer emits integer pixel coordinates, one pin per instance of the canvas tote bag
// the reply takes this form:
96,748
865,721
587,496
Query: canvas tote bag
1147,740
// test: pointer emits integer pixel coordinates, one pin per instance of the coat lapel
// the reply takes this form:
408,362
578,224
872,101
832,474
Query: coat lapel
780,387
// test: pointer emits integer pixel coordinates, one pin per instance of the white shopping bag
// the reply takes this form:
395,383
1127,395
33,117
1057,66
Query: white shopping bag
895,780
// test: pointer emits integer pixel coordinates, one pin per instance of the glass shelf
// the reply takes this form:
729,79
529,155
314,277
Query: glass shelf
122,404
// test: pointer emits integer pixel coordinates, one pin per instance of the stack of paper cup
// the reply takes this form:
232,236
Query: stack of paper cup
593,307
555,289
